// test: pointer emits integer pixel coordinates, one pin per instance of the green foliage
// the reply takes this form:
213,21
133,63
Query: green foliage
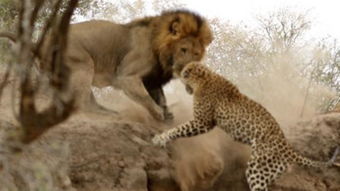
9,11
8,14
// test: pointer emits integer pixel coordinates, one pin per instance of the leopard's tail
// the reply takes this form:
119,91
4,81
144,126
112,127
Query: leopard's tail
304,161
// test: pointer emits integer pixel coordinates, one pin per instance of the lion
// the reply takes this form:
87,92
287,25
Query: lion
138,57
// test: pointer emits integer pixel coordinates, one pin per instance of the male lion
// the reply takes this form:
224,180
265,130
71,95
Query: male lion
138,57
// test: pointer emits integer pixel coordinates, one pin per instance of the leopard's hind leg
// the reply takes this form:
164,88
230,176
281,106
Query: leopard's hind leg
264,167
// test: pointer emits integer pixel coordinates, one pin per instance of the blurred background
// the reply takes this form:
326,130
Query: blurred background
283,54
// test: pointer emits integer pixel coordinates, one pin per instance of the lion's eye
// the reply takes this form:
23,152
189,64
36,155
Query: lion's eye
184,50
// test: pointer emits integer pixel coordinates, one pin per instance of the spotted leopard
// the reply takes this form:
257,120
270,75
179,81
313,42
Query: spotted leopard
217,102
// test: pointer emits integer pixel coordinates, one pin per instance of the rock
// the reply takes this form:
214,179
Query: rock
89,155
42,165
161,180
134,179
316,139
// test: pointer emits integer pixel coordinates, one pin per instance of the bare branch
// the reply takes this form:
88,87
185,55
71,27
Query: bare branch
49,22
33,122
37,7
8,35
4,81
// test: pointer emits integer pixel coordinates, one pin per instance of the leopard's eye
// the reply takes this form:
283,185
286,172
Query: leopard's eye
186,73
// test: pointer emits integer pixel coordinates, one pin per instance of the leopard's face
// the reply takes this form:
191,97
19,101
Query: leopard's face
192,75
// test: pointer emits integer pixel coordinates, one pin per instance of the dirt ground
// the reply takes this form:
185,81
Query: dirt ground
90,152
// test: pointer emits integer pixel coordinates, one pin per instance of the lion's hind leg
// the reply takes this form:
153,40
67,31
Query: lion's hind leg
80,84
93,106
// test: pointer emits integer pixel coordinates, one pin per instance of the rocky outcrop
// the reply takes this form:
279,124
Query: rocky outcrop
88,155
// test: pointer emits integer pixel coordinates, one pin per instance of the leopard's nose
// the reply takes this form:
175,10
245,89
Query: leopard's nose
185,74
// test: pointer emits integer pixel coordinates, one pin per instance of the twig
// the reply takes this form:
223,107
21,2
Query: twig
37,7
307,90
5,79
50,21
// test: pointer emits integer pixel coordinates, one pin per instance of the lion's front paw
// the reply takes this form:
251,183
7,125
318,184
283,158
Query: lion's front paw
160,140
158,113
169,116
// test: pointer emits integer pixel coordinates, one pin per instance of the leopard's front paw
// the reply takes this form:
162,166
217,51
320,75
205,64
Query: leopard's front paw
160,140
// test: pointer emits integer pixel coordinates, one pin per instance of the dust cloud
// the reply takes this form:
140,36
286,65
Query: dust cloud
206,161
198,162
287,95
179,102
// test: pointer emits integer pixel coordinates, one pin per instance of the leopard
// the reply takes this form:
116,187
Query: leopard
217,102
138,57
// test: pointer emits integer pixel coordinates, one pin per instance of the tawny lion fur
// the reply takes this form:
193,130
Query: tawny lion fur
138,57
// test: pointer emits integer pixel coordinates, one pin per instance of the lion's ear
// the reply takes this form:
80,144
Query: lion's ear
175,28
206,36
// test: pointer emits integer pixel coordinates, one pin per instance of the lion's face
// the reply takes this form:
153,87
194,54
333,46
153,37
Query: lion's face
182,37
185,51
